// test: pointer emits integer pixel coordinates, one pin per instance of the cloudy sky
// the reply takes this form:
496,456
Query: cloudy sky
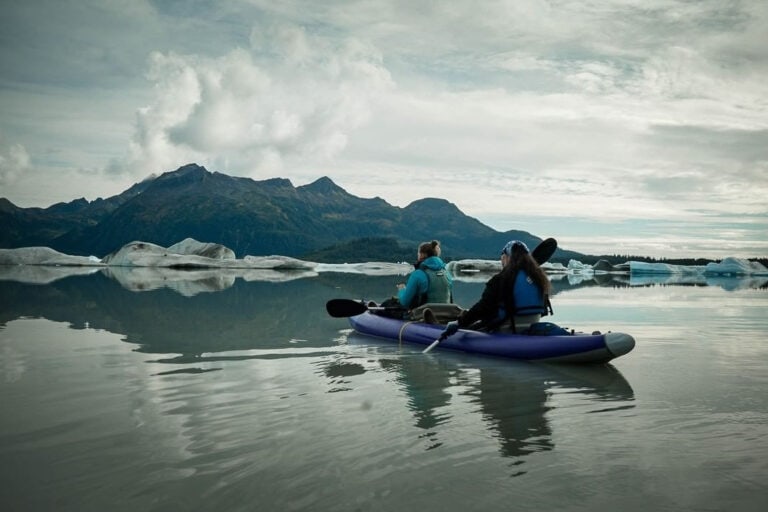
616,126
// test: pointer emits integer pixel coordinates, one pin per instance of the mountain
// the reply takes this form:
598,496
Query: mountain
253,218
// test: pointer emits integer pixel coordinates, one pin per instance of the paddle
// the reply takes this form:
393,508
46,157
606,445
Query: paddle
541,253
434,343
341,308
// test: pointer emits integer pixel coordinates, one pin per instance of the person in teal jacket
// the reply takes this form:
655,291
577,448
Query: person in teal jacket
429,282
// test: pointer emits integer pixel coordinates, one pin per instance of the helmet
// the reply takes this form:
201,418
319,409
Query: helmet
507,250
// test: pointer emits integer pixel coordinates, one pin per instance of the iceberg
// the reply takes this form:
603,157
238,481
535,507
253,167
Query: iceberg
728,266
641,267
373,268
45,256
473,266
554,268
194,254
736,266
209,250
189,254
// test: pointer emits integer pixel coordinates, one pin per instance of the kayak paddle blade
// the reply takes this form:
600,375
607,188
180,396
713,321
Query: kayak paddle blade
342,308
542,252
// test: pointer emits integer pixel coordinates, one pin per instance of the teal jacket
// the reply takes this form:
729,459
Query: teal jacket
430,282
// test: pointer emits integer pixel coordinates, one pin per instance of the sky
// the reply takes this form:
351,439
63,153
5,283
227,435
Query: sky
630,127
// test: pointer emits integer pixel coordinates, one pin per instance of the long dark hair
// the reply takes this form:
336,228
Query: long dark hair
521,259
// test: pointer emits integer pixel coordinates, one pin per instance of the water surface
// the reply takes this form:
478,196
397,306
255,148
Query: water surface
225,394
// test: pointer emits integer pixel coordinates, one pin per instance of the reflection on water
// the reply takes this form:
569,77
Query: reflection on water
209,315
513,398
563,282
232,394
191,282
426,385
194,314
242,316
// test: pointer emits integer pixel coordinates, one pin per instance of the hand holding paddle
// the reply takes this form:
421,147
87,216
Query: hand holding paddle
450,329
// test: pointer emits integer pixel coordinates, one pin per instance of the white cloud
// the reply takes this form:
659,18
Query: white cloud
14,161
295,99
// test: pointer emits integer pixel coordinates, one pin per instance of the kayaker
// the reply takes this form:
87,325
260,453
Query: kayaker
513,299
430,282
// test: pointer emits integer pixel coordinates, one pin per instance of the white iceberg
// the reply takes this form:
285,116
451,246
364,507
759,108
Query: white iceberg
372,268
45,256
473,266
554,268
191,246
736,266
577,267
728,266
641,267
196,255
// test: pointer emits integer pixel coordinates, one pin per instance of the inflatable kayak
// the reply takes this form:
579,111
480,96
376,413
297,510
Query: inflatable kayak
577,347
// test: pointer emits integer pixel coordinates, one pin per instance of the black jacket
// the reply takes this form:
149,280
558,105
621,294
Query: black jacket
486,310
498,302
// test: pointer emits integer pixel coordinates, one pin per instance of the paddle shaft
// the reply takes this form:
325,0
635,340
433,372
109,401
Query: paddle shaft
434,343
342,308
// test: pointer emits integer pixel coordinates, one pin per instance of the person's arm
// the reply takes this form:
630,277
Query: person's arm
416,283
486,307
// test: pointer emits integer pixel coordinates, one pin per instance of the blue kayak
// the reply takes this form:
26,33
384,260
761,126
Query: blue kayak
577,347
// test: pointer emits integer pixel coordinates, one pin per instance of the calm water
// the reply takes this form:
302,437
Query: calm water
228,394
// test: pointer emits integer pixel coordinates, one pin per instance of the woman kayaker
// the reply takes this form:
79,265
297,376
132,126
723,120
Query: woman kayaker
430,282
513,299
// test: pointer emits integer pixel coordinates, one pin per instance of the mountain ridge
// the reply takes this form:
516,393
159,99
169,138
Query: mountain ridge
251,217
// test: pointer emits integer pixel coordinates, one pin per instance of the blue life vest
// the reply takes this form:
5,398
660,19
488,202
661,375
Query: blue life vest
528,299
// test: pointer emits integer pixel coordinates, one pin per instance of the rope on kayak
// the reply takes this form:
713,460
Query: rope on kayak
400,334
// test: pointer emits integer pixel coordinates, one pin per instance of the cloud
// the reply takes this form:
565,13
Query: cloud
14,161
607,111
292,97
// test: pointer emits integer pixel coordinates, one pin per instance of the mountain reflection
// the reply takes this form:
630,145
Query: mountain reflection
242,316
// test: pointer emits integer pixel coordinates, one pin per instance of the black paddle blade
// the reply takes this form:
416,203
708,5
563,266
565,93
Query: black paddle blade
342,308
542,252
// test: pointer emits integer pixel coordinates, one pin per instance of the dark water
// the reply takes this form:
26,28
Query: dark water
227,394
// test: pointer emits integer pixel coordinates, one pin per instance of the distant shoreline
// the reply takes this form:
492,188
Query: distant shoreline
193,255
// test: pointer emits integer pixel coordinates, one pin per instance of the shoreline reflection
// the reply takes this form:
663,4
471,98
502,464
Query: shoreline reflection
190,282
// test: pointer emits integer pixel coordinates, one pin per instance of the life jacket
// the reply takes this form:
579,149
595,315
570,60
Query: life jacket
438,287
526,299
